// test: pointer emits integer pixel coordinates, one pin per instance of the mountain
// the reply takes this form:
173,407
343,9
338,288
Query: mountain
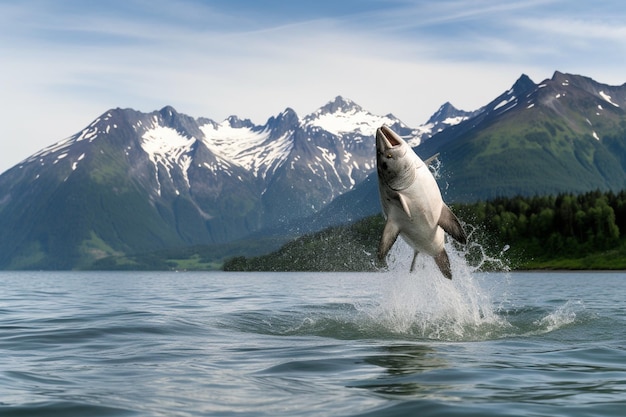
446,116
565,134
332,152
134,182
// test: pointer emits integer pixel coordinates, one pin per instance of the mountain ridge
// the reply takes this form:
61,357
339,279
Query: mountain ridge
132,182
517,144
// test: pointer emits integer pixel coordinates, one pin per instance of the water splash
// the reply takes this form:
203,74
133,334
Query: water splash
478,256
562,316
425,304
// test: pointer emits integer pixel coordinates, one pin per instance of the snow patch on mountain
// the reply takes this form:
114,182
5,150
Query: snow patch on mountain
169,149
607,98
342,116
451,121
504,102
88,134
360,122
60,146
250,148
231,142
446,116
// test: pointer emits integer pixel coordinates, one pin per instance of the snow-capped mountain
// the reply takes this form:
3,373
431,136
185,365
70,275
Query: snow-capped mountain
252,147
564,134
133,181
446,116
344,117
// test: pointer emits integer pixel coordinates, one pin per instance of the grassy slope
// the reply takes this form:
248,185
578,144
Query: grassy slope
192,258
612,259
538,157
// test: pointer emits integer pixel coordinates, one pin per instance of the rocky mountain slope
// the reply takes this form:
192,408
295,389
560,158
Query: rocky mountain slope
565,134
133,182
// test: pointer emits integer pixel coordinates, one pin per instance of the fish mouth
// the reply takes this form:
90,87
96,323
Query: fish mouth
387,137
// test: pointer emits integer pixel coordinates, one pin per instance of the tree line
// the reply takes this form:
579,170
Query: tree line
539,231
547,227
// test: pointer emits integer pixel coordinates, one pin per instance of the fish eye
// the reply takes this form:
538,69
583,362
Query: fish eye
389,155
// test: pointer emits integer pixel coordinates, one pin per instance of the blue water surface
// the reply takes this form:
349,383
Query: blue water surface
312,344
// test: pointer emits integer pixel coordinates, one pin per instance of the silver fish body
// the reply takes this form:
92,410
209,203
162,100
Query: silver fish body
412,202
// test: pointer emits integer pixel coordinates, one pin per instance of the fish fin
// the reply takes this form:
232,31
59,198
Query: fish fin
443,263
415,253
449,222
404,204
390,234
431,159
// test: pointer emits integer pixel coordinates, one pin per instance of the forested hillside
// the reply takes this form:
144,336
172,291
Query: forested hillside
586,231
564,231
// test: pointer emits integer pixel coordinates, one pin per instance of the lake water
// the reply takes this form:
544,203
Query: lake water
312,344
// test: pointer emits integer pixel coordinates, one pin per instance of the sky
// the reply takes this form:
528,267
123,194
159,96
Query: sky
65,62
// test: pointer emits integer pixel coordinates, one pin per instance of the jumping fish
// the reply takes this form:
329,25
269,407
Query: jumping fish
412,203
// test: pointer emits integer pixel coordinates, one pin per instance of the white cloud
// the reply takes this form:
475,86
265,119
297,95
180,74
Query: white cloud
577,30
62,68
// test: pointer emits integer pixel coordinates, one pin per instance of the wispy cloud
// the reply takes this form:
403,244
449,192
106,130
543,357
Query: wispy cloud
65,62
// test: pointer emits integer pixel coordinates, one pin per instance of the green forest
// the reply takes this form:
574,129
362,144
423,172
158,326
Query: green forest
564,231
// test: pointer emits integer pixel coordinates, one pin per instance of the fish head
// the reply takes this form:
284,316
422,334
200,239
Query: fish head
396,162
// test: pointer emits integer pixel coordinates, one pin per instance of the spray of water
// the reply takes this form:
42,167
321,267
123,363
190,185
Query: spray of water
426,305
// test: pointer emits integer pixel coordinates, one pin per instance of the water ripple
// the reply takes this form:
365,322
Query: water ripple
323,345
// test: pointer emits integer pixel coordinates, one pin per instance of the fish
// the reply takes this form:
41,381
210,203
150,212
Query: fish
412,204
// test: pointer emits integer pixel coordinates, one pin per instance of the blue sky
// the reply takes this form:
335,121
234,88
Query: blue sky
64,62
